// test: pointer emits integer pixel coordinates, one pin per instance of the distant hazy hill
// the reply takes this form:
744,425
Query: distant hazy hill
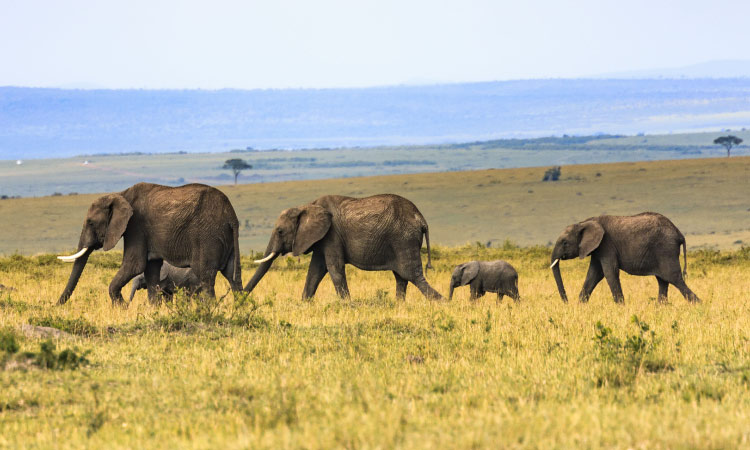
737,68
58,123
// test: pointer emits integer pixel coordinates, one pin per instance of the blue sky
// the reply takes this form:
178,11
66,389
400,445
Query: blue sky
329,43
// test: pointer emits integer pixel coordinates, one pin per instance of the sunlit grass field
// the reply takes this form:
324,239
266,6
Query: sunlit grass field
273,371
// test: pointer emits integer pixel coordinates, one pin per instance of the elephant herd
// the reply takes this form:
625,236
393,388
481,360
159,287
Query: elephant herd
180,237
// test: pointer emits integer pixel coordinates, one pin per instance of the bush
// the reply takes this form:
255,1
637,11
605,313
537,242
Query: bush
188,313
8,341
622,361
552,174
66,359
78,326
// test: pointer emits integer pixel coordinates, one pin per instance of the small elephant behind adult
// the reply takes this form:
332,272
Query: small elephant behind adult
486,276
171,278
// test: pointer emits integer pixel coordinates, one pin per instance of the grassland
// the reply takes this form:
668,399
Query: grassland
706,198
273,371
373,372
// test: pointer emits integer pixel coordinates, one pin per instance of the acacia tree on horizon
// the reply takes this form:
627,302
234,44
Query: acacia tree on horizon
236,165
728,142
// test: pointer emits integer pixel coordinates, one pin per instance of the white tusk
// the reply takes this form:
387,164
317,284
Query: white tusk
266,258
72,258
553,264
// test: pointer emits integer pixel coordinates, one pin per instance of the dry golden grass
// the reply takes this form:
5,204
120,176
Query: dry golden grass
706,198
375,372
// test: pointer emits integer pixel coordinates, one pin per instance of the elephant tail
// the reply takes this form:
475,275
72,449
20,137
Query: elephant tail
426,231
237,275
684,257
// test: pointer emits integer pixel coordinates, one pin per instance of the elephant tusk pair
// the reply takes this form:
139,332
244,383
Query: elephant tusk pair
553,264
266,258
72,258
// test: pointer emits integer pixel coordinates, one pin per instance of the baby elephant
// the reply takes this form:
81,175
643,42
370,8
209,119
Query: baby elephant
486,276
170,279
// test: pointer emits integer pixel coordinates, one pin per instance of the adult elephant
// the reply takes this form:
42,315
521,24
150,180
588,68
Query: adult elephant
382,232
188,226
644,244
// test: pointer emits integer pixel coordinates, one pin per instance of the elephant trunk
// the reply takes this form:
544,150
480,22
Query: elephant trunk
137,283
555,260
450,293
271,254
75,275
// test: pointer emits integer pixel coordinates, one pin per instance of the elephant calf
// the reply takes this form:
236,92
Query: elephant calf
486,276
171,278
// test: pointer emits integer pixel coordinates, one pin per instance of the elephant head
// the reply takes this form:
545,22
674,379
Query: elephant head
296,231
105,224
579,240
463,275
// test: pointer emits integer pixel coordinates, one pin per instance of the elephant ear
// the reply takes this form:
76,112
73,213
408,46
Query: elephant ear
120,213
313,224
470,271
591,236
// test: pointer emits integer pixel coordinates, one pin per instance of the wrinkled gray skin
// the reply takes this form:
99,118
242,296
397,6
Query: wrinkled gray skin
188,226
644,244
486,276
382,232
171,278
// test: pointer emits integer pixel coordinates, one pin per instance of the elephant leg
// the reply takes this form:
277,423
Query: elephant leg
228,273
315,274
206,271
151,273
663,289
500,296
593,277
421,283
401,284
338,277
612,274
473,292
208,281
126,273
513,293
689,295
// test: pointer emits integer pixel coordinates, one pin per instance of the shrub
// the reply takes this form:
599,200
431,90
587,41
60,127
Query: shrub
189,312
622,361
78,326
8,341
552,174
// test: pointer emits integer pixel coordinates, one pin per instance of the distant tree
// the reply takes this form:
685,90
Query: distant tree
236,165
552,174
728,142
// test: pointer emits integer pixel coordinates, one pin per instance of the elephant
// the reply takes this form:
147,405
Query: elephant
643,244
381,232
171,278
188,226
486,276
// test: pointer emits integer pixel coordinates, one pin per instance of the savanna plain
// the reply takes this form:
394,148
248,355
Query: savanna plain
268,370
